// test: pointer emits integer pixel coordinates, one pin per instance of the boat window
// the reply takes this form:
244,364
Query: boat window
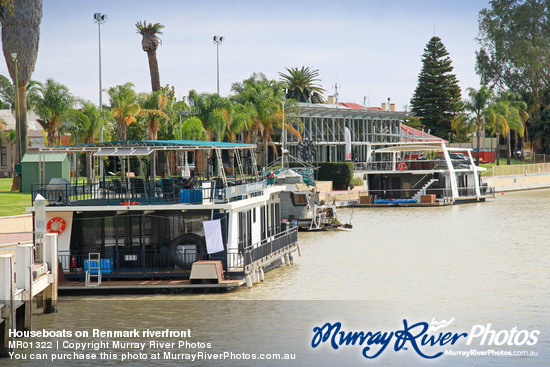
299,199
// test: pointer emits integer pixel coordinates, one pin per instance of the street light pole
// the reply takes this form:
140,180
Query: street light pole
218,40
100,19
17,117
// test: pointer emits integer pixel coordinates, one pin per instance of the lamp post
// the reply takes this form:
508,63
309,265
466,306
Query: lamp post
100,19
17,117
218,40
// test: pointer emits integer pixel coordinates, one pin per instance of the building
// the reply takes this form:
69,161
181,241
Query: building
8,151
370,127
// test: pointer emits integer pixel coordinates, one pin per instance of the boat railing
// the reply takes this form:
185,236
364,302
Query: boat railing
440,193
119,261
138,191
268,246
115,261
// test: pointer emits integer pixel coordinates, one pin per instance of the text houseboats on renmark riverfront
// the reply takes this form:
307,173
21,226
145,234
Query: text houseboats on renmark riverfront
185,225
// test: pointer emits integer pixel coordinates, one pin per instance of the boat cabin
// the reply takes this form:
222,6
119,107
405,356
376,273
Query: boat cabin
142,224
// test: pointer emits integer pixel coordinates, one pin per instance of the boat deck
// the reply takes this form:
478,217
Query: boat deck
146,286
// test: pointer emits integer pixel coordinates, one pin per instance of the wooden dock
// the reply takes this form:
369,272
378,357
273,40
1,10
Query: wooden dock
147,286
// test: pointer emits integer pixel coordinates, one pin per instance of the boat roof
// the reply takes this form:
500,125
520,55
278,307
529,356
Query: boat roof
145,147
414,147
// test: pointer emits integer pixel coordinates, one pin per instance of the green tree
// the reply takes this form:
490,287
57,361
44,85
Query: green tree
11,138
472,118
514,36
7,93
436,96
52,102
84,125
207,108
150,43
124,108
502,117
301,84
266,98
20,34
192,129
153,112
508,108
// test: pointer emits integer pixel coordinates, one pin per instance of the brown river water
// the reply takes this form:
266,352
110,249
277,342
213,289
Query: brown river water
474,264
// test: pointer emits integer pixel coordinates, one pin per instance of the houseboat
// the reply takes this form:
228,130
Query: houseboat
422,173
208,226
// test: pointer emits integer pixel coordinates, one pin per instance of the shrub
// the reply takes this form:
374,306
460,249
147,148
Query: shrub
340,173
355,181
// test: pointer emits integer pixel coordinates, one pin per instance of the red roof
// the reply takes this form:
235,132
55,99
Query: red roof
410,132
356,106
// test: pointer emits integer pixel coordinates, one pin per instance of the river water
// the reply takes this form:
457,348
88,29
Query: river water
474,264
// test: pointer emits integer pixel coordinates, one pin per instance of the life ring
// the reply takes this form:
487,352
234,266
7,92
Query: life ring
56,225
402,166
178,257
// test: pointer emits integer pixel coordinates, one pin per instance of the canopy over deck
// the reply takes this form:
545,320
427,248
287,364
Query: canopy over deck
416,147
145,147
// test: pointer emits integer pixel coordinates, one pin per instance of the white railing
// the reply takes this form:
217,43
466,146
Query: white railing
519,169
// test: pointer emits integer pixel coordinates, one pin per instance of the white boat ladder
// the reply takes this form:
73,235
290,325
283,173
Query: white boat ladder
94,269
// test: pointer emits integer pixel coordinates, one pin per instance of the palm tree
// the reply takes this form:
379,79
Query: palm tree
507,118
124,107
85,125
52,102
267,98
475,106
301,84
149,43
497,125
20,34
153,109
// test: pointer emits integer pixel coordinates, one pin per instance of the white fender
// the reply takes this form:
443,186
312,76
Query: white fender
249,281
262,275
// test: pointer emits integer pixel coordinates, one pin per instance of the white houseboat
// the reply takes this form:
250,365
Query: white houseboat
422,173
134,225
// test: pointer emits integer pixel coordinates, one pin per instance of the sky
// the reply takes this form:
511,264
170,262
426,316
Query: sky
369,48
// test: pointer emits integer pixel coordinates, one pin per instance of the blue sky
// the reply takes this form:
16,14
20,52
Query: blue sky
369,48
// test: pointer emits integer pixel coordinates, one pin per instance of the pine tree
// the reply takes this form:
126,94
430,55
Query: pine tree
437,94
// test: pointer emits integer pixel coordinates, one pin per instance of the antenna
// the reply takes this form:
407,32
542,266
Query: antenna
335,87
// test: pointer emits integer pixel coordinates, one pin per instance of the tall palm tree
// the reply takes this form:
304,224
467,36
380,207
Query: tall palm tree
20,34
52,102
301,84
124,107
149,43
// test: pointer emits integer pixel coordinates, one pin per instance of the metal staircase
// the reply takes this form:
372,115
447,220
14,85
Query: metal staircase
422,191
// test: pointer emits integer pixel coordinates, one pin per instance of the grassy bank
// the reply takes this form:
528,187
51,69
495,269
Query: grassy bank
12,203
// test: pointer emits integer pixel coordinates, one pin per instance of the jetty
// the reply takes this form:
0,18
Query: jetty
28,279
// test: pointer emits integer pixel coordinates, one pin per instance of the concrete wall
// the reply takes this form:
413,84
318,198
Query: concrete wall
519,182
16,223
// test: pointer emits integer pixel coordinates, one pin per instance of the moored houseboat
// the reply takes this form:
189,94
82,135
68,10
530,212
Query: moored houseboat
422,173
137,226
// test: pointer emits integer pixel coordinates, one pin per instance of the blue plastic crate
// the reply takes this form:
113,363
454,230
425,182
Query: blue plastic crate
196,196
185,196
106,265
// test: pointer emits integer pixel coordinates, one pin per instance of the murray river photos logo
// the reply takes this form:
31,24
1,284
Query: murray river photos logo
425,339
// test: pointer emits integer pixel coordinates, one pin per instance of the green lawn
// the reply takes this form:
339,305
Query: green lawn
503,163
12,203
